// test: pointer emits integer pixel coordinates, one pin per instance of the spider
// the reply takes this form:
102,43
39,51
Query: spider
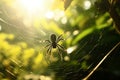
53,43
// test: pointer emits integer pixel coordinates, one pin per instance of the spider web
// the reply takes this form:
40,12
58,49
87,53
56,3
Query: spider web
80,56
61,68
33,38
39,39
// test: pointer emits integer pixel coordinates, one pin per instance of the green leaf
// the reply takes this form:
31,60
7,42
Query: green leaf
67,3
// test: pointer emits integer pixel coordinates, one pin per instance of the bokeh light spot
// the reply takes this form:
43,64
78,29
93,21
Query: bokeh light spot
71,49
87,4
64,20
49,15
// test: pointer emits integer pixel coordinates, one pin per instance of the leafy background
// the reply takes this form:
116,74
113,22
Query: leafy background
89,31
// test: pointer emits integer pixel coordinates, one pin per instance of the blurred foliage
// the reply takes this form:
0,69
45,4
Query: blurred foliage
17,57
90,29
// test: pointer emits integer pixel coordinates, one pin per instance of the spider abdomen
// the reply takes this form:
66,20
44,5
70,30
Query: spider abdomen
53,38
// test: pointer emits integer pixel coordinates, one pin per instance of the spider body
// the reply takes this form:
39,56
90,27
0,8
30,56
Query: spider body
53,40
53,43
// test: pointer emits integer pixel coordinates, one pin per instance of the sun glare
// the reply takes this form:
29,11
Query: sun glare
32,10
32,5
44,8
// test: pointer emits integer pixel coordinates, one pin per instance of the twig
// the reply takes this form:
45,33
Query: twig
101,61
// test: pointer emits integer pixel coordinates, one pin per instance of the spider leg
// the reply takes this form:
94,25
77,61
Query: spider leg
60,54
47,45
47,41
49,51
59,38
61,47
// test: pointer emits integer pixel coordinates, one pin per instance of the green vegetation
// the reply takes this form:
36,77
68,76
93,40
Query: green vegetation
90,29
